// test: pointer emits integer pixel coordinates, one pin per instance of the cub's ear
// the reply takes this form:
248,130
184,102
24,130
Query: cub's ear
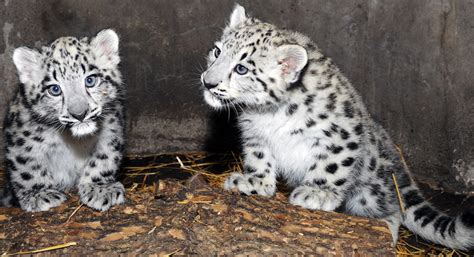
28,62
238,16
105,46
291,59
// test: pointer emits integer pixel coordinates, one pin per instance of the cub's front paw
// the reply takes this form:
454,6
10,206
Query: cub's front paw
314,198
250,185
42,200
102,197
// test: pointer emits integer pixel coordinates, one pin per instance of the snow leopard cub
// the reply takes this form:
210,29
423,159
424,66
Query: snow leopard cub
65,126
301,119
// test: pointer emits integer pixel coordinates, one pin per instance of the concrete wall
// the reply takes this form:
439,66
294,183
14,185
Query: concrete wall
411,61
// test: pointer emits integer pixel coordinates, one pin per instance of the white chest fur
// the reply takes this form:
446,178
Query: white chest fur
66,157
292,149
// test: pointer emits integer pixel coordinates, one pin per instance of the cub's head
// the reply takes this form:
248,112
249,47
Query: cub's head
72,83
253,64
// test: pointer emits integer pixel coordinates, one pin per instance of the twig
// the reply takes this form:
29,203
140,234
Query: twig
180,162
170,254
74,212
152,230
400,200
56,247
401,156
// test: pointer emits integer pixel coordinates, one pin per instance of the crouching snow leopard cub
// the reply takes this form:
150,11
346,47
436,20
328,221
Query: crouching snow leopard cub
301,119
65,126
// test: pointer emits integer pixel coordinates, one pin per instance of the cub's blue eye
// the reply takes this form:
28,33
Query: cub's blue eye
91,81
240,69
54,90
217,51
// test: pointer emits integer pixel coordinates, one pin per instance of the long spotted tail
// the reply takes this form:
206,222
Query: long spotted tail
423,219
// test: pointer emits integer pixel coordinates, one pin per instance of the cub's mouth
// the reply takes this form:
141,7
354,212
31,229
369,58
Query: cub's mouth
82,125
215,100
84,128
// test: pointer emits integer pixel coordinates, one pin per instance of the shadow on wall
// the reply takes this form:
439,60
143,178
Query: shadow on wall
223,133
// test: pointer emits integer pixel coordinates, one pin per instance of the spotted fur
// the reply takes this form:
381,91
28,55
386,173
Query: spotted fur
65,126
301,119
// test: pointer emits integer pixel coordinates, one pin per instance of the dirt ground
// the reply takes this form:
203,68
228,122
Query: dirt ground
192,218
166,217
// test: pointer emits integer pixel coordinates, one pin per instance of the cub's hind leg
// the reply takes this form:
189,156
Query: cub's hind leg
31,182
324,186
33,190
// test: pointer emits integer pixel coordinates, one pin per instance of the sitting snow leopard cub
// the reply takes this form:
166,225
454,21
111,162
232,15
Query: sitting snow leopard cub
301,119
65,126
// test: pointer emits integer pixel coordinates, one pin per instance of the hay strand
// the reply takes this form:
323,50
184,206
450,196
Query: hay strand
74,212
400,200
47,249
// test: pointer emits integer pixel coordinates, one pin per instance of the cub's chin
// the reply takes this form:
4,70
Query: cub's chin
83,129
212,100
